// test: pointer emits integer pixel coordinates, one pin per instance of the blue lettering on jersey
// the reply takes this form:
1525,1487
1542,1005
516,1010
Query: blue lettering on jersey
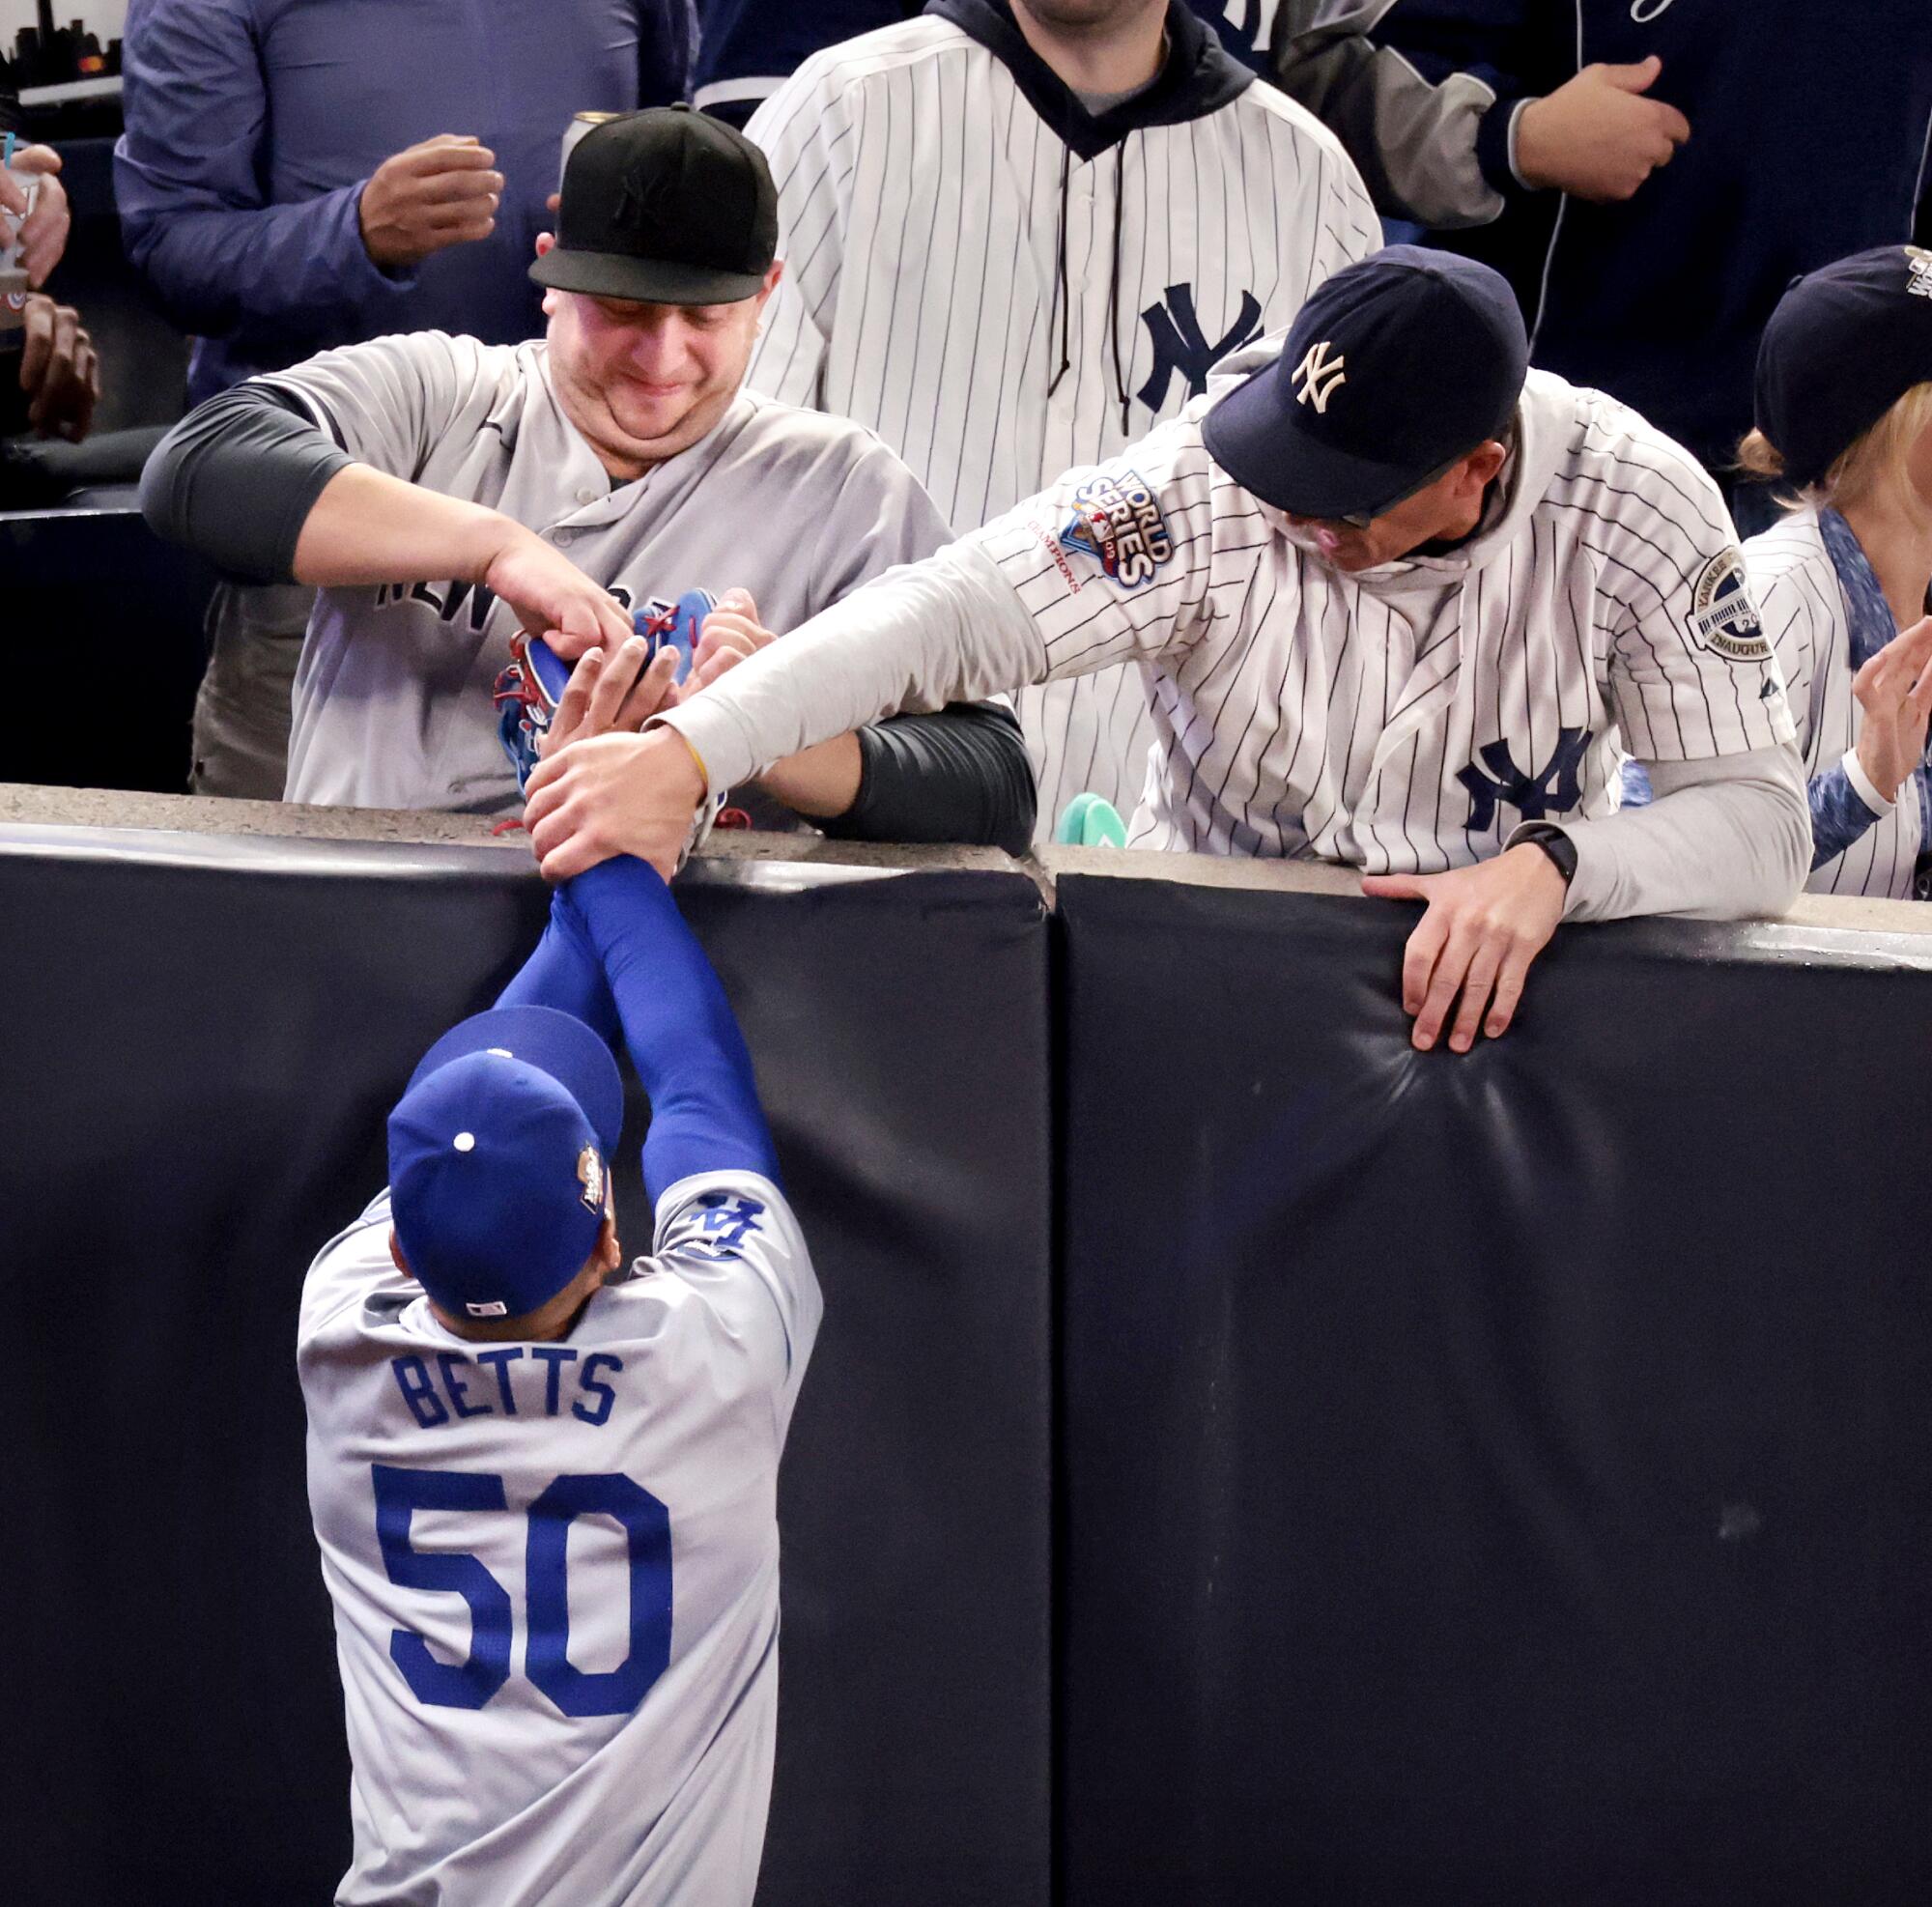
446,1362
587,1380
553,1357
448,604
463,1391
501,1361
1551,788
1174,330
419,1388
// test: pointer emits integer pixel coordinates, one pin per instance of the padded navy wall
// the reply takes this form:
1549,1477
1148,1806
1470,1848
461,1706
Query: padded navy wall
1504,1479
204,1038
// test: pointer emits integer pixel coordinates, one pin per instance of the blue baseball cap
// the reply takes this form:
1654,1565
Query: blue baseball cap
1844,345
498,1155
1393,369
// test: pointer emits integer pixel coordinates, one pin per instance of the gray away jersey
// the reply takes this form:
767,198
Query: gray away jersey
1805,614
392,698
555,1566
920,212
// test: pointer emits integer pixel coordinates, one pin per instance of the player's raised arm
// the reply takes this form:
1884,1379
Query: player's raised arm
678,1028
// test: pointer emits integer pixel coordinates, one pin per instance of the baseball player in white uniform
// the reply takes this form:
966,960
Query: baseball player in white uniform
544,1483
445,492
1019,235
1386,616
1844,416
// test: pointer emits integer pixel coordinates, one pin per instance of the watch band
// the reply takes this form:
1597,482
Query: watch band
1554,843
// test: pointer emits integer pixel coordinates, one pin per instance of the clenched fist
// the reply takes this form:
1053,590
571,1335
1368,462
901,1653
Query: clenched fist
1597,137
442,192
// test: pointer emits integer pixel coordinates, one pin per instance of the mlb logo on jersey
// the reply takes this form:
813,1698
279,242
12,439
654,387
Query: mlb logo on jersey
1120,527
1723,619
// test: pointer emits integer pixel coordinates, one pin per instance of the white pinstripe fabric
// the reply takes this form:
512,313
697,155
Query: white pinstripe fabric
919,205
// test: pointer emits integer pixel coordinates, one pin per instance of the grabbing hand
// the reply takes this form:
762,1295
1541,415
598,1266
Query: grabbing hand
59,370
442,192
1597,137
1484,927
551,597
606,696
1894,692
614,794
731,632
42,231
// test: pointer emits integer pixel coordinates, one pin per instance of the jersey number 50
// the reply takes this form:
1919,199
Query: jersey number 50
470,1684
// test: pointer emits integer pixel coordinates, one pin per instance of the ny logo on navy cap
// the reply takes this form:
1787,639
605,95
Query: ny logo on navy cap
1319,377
1395,368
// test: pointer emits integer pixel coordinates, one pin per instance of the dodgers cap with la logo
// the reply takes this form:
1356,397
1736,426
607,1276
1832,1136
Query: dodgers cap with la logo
498,1153
1394,369
1846,342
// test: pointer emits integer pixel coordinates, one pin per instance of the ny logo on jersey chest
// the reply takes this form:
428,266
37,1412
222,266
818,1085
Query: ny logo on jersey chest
1179,345
1494,780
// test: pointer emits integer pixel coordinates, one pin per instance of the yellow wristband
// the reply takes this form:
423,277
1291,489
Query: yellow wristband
691,749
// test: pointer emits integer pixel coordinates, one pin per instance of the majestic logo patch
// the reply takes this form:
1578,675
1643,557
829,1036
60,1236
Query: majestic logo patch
1723,619
1120,525
1320,376
1920,262
590,1176
1551,789
1179,344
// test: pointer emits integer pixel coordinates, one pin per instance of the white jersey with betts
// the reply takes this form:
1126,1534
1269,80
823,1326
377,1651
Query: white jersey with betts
393,696
1001,305
555,1566
1807,617
1404,718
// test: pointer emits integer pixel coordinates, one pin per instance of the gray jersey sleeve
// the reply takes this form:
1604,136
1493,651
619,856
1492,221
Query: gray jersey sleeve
1728,838
389,402
877,517
1414,140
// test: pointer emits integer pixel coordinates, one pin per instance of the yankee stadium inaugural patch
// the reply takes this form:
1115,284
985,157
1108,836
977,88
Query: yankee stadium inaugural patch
1723,619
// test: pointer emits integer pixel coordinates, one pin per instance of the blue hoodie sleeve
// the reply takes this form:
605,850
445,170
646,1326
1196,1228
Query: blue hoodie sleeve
187,176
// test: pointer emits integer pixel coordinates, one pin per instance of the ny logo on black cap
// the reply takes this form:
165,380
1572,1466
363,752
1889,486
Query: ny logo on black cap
1319,374
646,185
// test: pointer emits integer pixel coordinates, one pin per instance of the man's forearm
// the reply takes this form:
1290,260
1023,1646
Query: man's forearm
947,630
1724,840
368,526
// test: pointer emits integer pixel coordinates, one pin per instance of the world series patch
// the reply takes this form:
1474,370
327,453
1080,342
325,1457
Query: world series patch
1723,619
1918,263
1120,527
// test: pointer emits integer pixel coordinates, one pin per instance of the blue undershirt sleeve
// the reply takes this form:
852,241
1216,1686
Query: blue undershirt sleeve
679,1026
565,972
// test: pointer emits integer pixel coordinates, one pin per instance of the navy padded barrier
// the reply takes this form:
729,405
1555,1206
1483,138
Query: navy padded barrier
1501,1479
204,1037
105,646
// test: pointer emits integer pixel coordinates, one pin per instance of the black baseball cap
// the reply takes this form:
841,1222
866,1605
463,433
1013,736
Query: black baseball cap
1392,370
663,207
1844,345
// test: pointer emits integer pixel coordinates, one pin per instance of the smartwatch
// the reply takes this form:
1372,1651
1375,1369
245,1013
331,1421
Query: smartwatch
1554,843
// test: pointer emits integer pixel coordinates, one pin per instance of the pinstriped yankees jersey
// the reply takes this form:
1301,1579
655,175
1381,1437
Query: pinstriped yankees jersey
1805,615
1405,719
1004,286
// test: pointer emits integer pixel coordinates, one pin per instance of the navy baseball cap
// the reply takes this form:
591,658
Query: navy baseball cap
498,1155
1844,345
1393,369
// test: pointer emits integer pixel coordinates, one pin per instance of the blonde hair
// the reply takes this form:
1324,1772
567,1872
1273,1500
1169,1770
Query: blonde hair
1873,461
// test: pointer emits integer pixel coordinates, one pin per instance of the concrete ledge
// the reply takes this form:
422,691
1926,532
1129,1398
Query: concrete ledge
33,807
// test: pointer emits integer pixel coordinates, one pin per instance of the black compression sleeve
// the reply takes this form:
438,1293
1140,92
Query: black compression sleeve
961,774
236,479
